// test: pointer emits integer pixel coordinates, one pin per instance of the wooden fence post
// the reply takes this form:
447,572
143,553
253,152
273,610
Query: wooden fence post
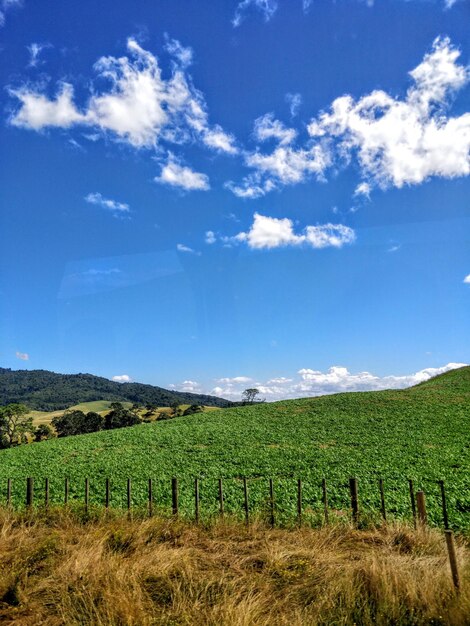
129,497
413,501
444,505
66,491
354,500
421,502
299,502
245,501
87,493
46,493
382,500
174,496
325,500
221,498
452,558
29,492
9,493
272,519
196,500
150,494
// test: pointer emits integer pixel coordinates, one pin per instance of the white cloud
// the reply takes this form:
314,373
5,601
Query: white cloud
396,141
234,380
139,106
406,141
266,7
22,356
267,127
116,208
35,50
182,248
122,378
336,379
210,237
363,189
6,5
466,280
294,100
271,232
184,55
176,175
187,386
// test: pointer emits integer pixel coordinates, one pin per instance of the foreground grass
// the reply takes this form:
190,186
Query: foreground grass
57,569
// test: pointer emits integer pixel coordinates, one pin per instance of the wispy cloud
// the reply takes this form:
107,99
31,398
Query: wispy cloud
266,7
22,356
182,248
294,100
176,175
466,280
5,6
35,50
118,209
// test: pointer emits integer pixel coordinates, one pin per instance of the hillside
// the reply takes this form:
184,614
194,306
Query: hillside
422,432
42,390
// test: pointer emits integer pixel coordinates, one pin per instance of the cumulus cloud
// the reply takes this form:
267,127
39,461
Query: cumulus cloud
22,356
116,208
176,175
405,141
271,232
337,379
266,7
466,280
285,165
395,141
210,237
122,378
138,105
187,386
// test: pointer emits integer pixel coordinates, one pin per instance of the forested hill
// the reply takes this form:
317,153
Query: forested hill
42,390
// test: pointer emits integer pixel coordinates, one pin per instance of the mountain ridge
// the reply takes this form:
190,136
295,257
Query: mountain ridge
43,390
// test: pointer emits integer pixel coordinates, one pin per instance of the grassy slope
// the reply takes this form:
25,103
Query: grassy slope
422,432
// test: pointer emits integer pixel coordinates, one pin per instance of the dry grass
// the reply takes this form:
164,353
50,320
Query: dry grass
58,569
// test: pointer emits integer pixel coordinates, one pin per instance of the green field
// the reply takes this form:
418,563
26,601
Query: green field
421,433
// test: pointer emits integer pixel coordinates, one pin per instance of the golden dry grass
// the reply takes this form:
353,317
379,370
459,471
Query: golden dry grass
58,569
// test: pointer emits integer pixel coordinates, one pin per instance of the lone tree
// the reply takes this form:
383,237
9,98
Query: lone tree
249,396
15,425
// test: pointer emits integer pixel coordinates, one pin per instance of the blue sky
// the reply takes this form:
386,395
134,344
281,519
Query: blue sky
215,195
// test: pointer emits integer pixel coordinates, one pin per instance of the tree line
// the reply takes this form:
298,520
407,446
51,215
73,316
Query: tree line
16,423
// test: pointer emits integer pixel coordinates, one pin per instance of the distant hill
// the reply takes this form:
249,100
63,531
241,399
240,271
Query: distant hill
42,390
